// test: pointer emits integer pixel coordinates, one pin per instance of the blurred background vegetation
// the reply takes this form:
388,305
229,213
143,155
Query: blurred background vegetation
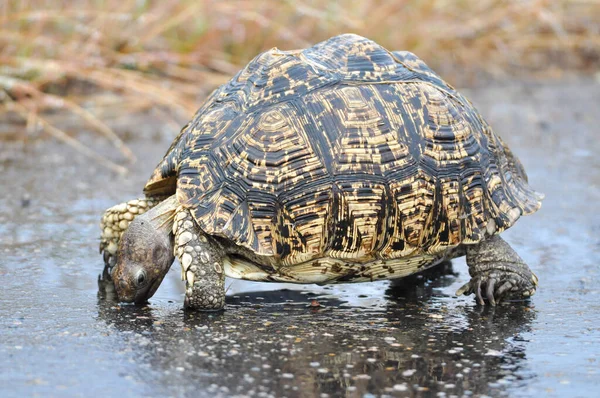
79,65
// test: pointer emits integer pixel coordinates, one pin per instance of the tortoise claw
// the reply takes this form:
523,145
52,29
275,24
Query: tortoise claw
504,288
490,291
497,286
464,289
478,293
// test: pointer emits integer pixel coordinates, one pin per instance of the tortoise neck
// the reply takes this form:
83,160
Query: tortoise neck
161,216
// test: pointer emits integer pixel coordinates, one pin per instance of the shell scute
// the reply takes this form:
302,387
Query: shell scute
343,153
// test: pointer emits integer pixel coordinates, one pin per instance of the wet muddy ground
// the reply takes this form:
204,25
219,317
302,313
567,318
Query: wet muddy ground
58,339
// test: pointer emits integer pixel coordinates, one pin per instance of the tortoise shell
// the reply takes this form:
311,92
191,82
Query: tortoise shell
343,152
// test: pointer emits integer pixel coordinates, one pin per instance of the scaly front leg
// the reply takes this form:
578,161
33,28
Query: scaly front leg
201,259
497,272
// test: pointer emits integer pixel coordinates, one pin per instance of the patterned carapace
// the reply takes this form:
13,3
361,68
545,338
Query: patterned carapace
343,151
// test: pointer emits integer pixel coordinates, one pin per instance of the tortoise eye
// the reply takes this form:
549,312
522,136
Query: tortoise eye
140,278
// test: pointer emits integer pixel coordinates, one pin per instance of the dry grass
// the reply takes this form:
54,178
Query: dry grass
168,55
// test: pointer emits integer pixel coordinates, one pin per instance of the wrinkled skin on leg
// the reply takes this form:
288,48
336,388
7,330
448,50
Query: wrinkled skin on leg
497,273
201,259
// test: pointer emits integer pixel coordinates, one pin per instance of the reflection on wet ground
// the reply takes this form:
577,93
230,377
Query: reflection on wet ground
274,342
412,338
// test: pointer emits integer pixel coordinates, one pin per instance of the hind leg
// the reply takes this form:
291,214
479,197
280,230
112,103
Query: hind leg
115,221
497,272
201,259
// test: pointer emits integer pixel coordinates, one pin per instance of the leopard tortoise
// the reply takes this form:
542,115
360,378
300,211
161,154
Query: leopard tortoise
342,162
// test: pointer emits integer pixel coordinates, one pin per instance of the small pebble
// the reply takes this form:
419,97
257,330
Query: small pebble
400,387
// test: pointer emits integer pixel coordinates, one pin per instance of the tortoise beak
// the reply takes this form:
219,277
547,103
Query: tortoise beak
124,292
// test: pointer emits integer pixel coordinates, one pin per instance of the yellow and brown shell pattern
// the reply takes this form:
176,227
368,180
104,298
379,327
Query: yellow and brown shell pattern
342,162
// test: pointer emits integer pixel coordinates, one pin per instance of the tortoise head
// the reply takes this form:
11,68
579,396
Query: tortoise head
144,257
